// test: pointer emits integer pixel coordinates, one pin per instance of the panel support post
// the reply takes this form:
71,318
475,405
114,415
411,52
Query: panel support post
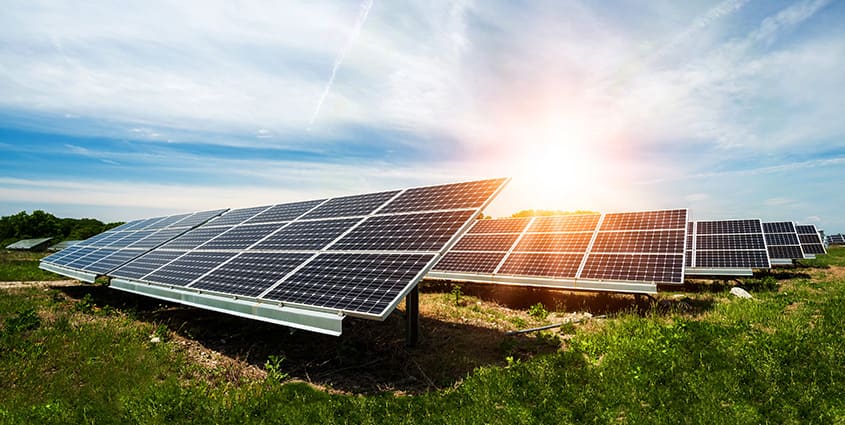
412,317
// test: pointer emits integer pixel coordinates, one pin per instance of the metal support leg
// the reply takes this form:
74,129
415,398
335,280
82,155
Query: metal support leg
412,317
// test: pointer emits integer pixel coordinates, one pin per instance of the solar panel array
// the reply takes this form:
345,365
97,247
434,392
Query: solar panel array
590,251
811,241
837,239
354,255
782,241
107,251
726,247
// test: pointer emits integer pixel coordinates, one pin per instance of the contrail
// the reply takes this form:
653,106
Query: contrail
353,35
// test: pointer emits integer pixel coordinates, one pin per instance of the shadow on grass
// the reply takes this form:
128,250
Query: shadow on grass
370,357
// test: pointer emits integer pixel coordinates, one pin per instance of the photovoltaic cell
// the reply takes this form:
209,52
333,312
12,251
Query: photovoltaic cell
237,216
730,245
555,242
648,220
635,267
551,265
196,218
349,206
306,235
470,195
782,240
145,264
811,241
498,242
730,259
113,260
405,232
195,238
566,223
666,241
250,274
239,237
731,242
157,238
185,269
285,212
718,227
500,225
470,262
363,283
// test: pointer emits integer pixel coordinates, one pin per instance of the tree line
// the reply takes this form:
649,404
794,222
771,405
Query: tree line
42,224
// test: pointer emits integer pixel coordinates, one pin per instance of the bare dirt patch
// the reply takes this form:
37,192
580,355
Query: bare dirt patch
39,284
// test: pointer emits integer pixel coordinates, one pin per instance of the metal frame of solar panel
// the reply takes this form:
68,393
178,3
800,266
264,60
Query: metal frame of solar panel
782,242
104,252
811,241
725,248
309,264
628,252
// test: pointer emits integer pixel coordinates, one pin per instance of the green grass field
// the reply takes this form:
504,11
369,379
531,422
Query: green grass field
82,355
16,266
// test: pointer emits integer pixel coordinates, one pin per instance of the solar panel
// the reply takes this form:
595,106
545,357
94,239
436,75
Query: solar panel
309,264
726,248
625,252
837,239
106,251
811,241
782,242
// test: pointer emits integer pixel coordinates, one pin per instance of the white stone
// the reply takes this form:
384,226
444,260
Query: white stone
155,339
739,292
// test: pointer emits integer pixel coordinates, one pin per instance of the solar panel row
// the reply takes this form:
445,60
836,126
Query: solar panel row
726,247
356,255
811,241
782,242
586,251
837,239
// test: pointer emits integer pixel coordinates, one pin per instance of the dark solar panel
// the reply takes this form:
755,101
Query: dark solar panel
811,241
500,225
185,269
782,239
82,262
250,273
74,255
145,264
194,238
163,222
405,232
789,252
728,226
237,216
730,242
554,242
363,283
445,197
547,265
498,242
285,212
565,223
112,261
470,262
658,268
157,238
240,237
307,235
130,225
197,218
665,241
729,259
349,206
130,238
649,220
779,227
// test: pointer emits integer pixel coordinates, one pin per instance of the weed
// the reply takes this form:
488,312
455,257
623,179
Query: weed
86,304
273,365
567,328
457,293
25,320
512,361
538,311
162,332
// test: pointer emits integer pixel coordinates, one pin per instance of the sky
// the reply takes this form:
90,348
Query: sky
733,109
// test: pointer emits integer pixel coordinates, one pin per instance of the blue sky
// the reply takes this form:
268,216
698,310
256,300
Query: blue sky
732,108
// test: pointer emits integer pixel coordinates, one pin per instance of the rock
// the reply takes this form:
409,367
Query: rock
155,339
740,293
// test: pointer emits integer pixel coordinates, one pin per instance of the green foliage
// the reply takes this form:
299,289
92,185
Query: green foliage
42,224
86,304
24,320
547,213
538,311
273,365
456,292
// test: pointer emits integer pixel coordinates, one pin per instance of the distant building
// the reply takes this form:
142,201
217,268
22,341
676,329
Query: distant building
30,244
62,245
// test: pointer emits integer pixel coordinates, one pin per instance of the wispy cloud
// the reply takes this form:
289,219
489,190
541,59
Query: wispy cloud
366,5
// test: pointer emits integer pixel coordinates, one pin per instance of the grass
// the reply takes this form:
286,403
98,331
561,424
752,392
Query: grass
693,357
23,266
